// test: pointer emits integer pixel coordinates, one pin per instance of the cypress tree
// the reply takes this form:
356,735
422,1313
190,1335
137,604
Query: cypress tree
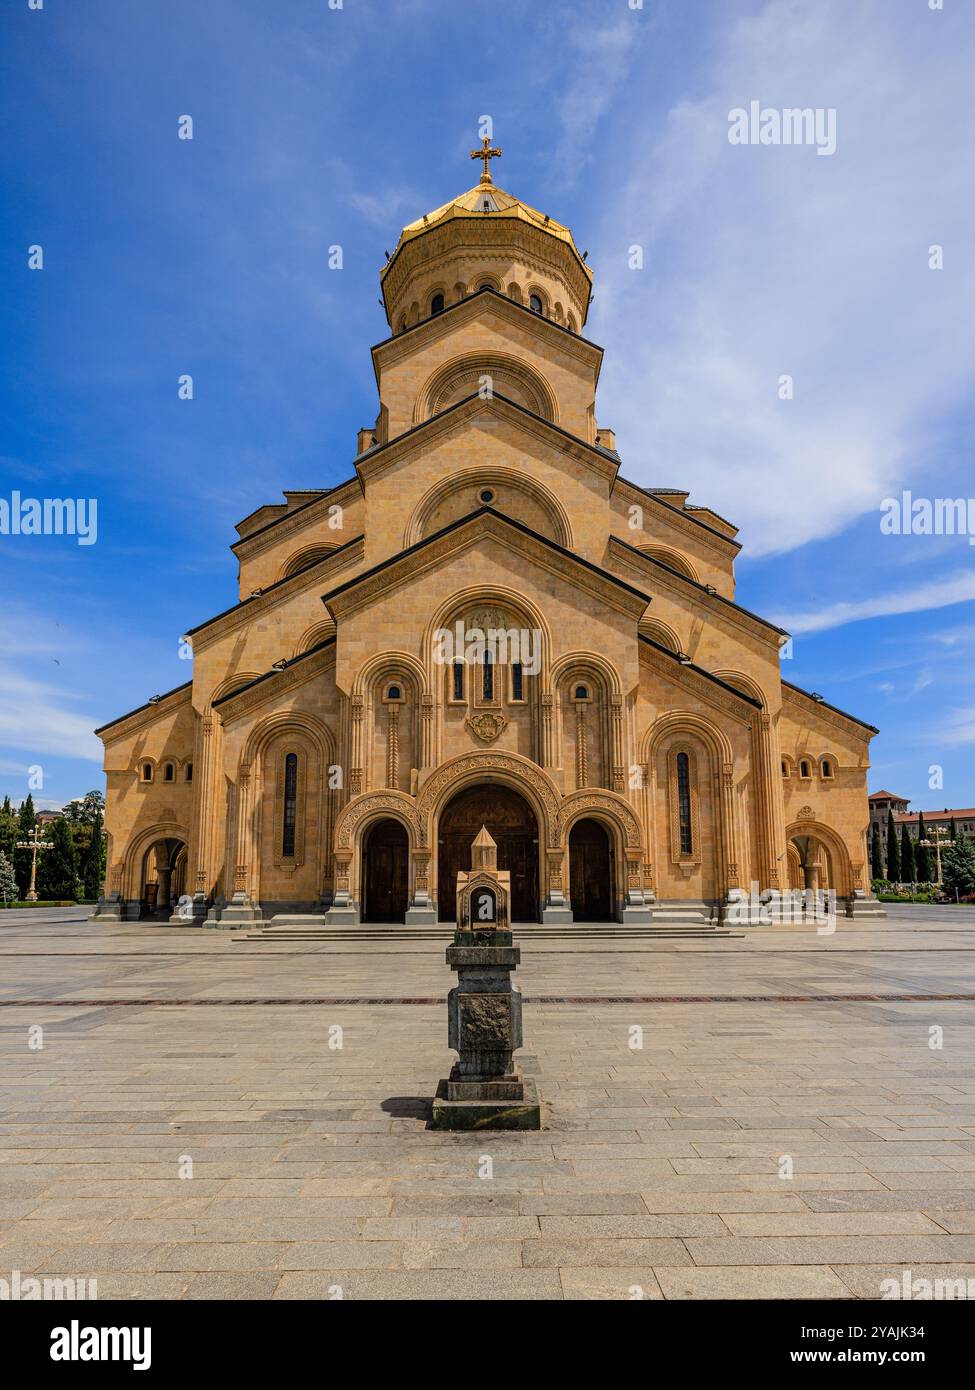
893,858
91,864
876,855
58,868
26,820
9,829
922,859
8,884
907,855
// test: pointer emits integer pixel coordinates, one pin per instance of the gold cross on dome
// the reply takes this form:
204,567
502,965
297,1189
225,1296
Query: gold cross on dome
486,152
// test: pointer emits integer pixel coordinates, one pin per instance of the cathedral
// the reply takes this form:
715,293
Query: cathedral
486,624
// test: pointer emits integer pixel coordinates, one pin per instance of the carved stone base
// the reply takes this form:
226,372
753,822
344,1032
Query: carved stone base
240,911
417,916
525,1113
107,909
633,913
339,916
552,913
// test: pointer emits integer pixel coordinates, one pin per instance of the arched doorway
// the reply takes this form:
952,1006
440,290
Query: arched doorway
590,872
512,824
163,879
385,872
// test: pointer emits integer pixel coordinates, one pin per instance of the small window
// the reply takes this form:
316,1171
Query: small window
487,495
458,680
488,677
437,304
785,768
147,772
535,303
804,769
290,805
393,693
684,803
189,772
517,681
169,773
827,767
582,692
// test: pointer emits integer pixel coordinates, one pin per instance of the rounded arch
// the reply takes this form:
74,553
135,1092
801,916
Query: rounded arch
461,377
301,559
508,769
574,664
488,595
362,811
673,559
535,291
314,635
495,477
139,846
840,863
231,684
486,282
515,293
745,684
677,722
390,663
609,808
661,633
285,721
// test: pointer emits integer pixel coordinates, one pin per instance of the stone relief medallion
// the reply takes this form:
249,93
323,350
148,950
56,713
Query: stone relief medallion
806,813
487,726
487,618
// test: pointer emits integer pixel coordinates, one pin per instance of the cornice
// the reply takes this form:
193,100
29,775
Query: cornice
298,671
826,713
460,535
710,688
692,525
723,609
245,612
295,520
374,463
146,714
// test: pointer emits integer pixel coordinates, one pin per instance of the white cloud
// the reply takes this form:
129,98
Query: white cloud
939,593
764,261
34,719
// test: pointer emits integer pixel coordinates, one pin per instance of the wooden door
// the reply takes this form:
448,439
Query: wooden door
385,876
512,825
590,876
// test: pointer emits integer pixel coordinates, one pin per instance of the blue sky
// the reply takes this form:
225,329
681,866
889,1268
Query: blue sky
315,126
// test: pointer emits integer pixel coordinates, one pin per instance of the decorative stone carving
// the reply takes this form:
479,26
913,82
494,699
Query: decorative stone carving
458,770
487,725
806,813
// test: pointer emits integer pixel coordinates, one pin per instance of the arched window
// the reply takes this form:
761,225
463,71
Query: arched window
169,773
582,692
804,768
785,768
535,303
487,688
684,803
393,693
189,772
437,304
147,772
458,680
290,805
827,768
517,681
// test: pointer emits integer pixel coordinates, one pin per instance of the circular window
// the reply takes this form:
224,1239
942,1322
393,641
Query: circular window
487,495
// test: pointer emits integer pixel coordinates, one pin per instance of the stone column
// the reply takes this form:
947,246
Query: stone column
241,907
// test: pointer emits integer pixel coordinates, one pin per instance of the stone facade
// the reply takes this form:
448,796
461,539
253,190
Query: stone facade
310,763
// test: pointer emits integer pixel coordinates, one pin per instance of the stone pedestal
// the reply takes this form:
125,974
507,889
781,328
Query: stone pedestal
485,1089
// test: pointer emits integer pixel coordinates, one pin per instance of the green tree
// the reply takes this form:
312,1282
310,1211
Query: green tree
57,872
922,859
952,830
92,870
907,855
958,867
26,821
876,855
8,883
893,858
9,829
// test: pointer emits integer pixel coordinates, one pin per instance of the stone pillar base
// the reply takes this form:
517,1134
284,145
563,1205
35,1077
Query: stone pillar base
107,909
634,914
557,914
518,1108
347,916
417,916
240,911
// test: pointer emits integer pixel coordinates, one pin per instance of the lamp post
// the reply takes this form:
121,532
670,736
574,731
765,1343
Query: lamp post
34,844
936,838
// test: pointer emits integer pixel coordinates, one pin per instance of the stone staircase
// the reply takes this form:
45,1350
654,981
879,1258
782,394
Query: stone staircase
684,921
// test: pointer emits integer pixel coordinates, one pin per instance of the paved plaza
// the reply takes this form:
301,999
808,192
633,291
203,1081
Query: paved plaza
799,1121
